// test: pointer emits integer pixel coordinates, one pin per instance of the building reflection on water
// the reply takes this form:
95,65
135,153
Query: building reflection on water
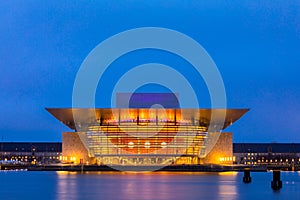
67,185
164,185
153,185
228,187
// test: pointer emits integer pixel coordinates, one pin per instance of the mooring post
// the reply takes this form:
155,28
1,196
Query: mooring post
276,183
247,177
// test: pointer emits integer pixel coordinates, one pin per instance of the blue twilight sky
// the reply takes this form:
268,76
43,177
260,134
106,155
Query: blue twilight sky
255,44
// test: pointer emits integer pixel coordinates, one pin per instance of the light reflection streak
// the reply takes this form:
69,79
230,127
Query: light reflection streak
228,173
66,185
227,187
146,185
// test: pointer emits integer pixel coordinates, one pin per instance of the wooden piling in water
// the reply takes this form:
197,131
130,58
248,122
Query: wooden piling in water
247,178
276,183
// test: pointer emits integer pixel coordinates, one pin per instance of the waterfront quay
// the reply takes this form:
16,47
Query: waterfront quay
41,156
49,156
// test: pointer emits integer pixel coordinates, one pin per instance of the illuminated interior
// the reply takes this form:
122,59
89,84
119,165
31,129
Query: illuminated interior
142,136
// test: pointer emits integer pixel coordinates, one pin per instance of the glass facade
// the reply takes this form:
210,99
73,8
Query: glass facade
147,136
132,144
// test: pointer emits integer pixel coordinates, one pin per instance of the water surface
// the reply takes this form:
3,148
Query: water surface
152,185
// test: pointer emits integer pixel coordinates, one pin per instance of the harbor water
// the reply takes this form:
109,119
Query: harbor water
151,185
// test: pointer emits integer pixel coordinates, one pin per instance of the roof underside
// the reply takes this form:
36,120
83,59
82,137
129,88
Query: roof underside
203,116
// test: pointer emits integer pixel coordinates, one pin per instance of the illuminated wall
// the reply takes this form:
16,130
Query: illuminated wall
222,152
73,149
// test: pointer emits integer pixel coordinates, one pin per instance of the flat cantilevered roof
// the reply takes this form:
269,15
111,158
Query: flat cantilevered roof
90,115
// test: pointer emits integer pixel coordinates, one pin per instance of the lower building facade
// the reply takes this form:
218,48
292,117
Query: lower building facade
267,153
75,151
30,152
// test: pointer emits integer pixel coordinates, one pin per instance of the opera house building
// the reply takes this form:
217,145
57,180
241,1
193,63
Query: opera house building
147,135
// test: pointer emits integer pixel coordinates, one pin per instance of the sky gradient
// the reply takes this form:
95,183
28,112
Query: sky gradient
255,45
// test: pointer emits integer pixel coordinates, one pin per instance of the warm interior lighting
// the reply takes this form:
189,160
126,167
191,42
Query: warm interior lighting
163,145
227,159
130,144
147,144
73,158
